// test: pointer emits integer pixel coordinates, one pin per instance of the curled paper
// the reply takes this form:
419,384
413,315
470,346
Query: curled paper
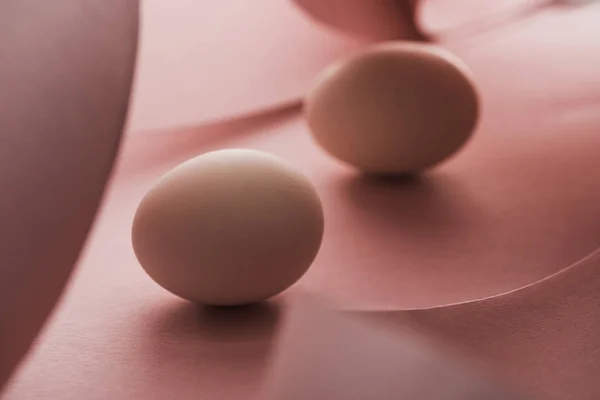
205,61
65,75
449,18
326,355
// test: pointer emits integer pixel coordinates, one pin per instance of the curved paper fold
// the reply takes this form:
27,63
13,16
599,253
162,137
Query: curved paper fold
204,61
326,355
448,18
65,75
545,337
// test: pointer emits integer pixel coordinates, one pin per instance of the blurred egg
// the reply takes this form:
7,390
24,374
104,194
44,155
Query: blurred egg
396,108
229,227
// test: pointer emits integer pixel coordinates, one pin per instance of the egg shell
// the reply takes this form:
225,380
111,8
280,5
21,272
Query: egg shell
229,227
397,108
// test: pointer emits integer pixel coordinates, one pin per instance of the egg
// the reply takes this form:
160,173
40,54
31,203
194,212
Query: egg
397,108
229,227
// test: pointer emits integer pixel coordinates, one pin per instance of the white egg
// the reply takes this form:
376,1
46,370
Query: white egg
229,227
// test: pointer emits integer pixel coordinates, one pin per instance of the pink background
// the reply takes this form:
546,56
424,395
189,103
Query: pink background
519,204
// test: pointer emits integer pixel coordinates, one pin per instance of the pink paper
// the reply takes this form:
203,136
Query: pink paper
374,19
520,203
202,61
544,337
65,80
443,18
327,355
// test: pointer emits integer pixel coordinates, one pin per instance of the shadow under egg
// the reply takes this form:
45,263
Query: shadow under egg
426,203
196,351
182,319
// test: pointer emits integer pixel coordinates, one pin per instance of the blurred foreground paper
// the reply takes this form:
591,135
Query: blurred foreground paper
66,68
328,355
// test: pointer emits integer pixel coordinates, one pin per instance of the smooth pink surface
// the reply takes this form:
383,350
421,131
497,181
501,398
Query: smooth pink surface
517,205
463,17
544,337
65,76
202,61
322,354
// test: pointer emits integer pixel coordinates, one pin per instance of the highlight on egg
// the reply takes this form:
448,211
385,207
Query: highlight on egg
229,227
